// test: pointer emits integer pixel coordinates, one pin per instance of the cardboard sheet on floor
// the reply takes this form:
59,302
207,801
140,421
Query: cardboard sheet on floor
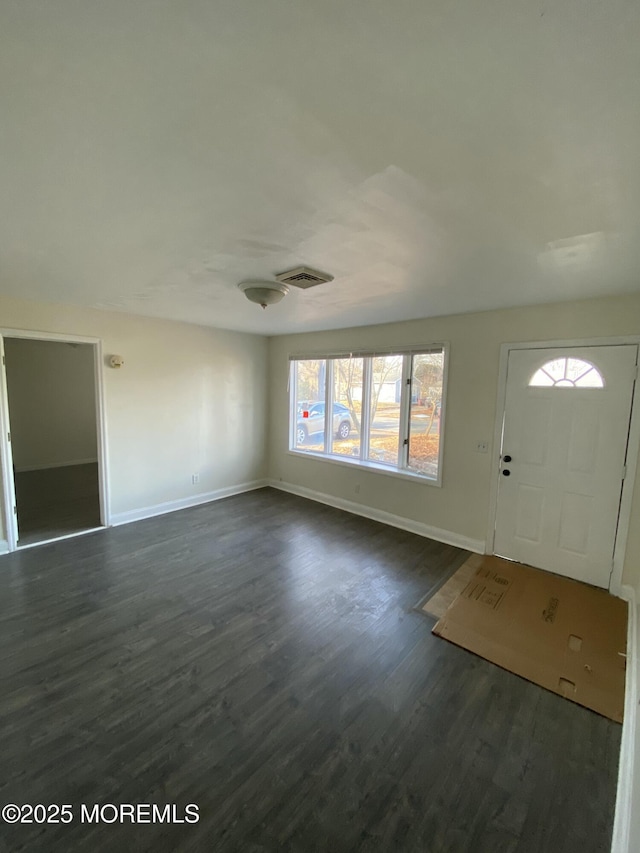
436,605
563,635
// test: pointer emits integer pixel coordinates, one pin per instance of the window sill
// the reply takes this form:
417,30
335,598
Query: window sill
358,464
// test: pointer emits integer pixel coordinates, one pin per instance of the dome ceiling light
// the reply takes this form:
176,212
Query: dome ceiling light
263,292
269,292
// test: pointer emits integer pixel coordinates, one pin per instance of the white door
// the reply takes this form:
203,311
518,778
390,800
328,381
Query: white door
566,425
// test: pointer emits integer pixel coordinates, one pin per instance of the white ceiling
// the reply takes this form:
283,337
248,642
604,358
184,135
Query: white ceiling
434,156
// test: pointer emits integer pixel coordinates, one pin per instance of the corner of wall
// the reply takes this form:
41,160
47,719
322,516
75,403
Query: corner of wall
268,410
626,827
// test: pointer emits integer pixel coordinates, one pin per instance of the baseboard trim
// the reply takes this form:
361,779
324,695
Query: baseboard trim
448,537
47,465
621,838
119,518
4,546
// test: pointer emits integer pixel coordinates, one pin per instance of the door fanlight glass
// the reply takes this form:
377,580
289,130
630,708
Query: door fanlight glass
567,373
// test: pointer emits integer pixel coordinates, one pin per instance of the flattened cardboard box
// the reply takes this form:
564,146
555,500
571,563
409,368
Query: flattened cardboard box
561,634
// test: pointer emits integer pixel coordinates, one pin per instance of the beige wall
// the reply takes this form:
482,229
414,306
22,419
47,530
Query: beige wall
51,391
188,400
461,506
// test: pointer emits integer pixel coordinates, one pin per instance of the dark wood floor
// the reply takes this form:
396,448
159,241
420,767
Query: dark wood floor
56,502
260,657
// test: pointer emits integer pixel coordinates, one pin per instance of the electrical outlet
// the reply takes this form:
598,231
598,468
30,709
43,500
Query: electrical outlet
482,446
195,478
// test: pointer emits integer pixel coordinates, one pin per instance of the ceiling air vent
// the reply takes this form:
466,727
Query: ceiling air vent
303,277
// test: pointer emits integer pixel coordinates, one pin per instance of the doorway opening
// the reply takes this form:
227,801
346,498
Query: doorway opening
53,443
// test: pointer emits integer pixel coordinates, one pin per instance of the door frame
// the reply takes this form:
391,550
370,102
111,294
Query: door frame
8,484
633,444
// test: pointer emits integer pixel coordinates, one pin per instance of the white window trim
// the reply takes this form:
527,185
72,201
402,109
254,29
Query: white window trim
405,405
365,464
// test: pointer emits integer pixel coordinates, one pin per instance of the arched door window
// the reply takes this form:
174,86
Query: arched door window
567,373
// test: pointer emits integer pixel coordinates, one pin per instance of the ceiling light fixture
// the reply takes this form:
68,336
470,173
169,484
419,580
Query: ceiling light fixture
263,292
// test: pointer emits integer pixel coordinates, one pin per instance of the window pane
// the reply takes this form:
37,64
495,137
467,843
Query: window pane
590,379
384,430
556,368
426,400
567,373
347,406
541,379
308,404
583,373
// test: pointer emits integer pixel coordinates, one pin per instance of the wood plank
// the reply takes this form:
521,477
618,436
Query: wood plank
261,657
438,602
56,502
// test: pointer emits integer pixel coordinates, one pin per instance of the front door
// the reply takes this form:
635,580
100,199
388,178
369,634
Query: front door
566,425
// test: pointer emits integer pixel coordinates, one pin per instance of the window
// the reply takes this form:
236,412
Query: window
348,374
424,421
382,411
567,373
309,406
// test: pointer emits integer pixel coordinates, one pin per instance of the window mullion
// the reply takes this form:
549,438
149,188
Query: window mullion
328,407
405,409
